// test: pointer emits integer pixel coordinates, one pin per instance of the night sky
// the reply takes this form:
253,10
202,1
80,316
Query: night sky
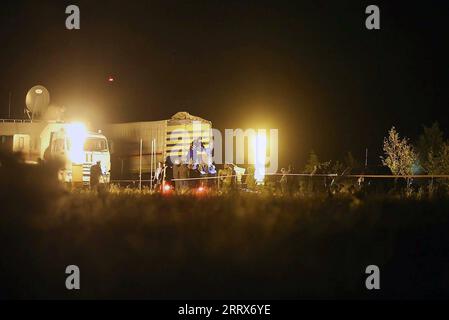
309,68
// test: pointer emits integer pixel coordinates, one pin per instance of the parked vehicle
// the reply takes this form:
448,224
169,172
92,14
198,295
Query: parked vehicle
71,143
183,138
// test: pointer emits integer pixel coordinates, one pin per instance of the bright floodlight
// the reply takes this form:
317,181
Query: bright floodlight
260,153
77,133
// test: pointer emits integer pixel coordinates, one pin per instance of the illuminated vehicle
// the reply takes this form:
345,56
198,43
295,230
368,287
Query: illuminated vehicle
173,138
71,143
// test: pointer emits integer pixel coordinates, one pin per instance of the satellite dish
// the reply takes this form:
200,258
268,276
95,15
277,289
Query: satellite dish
37,101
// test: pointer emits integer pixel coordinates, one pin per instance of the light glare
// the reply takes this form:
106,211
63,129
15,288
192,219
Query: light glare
260,152
77,133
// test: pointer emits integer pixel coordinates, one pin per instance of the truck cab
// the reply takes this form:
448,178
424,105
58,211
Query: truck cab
71,143
79,149
96,149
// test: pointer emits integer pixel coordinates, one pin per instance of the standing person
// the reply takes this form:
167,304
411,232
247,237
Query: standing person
292,184
232,175
250,179
193,173
184,174
221,177
157,180
284,181
47,154
95,174
167,174
177,175
211,173
168,169
231,178
225,178
203,173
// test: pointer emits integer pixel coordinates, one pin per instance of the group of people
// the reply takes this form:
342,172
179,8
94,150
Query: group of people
188,176
184,175
197,173
226,178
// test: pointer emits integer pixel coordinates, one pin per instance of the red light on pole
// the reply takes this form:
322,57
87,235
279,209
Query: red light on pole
110,79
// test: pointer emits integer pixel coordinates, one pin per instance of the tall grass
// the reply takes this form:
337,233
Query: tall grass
133,245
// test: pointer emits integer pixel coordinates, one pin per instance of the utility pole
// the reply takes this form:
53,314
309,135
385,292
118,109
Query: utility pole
151,165
140,167
9,106
366,157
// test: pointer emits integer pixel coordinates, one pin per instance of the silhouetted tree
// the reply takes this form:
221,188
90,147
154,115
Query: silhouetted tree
351,162
312,164
438,163
429,147
337,167
399,154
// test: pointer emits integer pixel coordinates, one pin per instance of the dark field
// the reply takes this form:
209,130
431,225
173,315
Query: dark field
131,245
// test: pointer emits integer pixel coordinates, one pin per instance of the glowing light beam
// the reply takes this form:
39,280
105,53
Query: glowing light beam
77,134
260,153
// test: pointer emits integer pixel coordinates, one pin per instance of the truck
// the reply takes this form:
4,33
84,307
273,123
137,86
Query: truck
72,143
132,150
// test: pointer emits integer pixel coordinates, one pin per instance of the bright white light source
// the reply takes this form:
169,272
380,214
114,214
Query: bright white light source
260,153
38,91
77,133
166,188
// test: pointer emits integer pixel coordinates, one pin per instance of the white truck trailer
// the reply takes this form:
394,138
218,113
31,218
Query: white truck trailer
173,137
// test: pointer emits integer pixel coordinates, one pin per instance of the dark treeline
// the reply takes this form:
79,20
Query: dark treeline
428,155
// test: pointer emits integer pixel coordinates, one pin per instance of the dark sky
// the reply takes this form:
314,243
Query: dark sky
309,68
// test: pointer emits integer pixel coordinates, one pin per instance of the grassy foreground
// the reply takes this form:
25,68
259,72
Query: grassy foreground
129,245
